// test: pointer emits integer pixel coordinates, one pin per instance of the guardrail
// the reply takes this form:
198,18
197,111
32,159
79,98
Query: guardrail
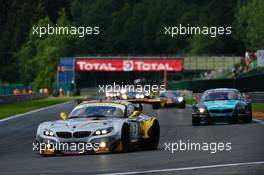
251,83
257,97
19,98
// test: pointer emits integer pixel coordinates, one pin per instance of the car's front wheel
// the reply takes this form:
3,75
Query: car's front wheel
153,141
248,119
195,121
125,138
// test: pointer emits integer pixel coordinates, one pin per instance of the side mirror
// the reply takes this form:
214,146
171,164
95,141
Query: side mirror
134,114
63,115
246,98
139,107
195,99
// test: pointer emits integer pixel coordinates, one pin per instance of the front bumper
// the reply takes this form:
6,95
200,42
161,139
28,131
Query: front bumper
93,144
219,118
175,104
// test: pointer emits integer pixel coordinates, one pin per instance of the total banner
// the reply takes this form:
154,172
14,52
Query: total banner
130,64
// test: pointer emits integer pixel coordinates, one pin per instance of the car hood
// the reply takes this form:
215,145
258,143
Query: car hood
221,104
80,124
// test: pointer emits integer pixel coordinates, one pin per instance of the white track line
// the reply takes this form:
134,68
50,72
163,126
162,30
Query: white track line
259,121
30,112
187,168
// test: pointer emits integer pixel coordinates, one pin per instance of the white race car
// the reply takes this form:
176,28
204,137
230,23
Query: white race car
102,126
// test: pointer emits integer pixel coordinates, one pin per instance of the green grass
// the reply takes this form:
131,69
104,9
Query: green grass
258,107
21,107
189,101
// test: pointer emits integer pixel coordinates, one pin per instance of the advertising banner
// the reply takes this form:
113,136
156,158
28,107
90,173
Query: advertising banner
141,65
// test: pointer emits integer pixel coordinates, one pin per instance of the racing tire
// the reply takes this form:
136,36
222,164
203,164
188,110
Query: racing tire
182,106
152,142
156,106
248,119
125,138
195,121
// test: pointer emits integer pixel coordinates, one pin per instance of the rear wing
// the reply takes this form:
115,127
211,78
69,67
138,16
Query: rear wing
156,103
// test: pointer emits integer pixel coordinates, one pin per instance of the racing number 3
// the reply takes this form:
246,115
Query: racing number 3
134,128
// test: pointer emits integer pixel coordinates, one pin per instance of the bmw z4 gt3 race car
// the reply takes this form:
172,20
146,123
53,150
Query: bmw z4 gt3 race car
100,126
220,106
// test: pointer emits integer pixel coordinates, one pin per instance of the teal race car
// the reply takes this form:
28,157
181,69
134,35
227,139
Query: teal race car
221,106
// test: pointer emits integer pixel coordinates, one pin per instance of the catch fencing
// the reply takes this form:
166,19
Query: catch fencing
249,83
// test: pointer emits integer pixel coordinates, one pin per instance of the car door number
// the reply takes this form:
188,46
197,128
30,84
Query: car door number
134,129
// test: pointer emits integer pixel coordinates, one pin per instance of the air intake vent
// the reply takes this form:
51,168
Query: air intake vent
215,111
81,134
224,111
64,135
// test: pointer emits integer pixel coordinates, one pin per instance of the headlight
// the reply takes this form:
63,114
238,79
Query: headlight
103,131
48,133
140,96
147,94
202,110
107,94
180,99
124,96
102,145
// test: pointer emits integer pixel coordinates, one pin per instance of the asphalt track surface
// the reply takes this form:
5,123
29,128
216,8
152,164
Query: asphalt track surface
18,134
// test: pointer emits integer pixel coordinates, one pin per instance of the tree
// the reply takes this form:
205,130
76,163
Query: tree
39,56
250,24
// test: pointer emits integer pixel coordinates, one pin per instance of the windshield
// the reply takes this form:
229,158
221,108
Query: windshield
169,94
210,96
97,111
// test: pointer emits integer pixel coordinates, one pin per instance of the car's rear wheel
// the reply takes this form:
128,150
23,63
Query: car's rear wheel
125,138
153,141
195,121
